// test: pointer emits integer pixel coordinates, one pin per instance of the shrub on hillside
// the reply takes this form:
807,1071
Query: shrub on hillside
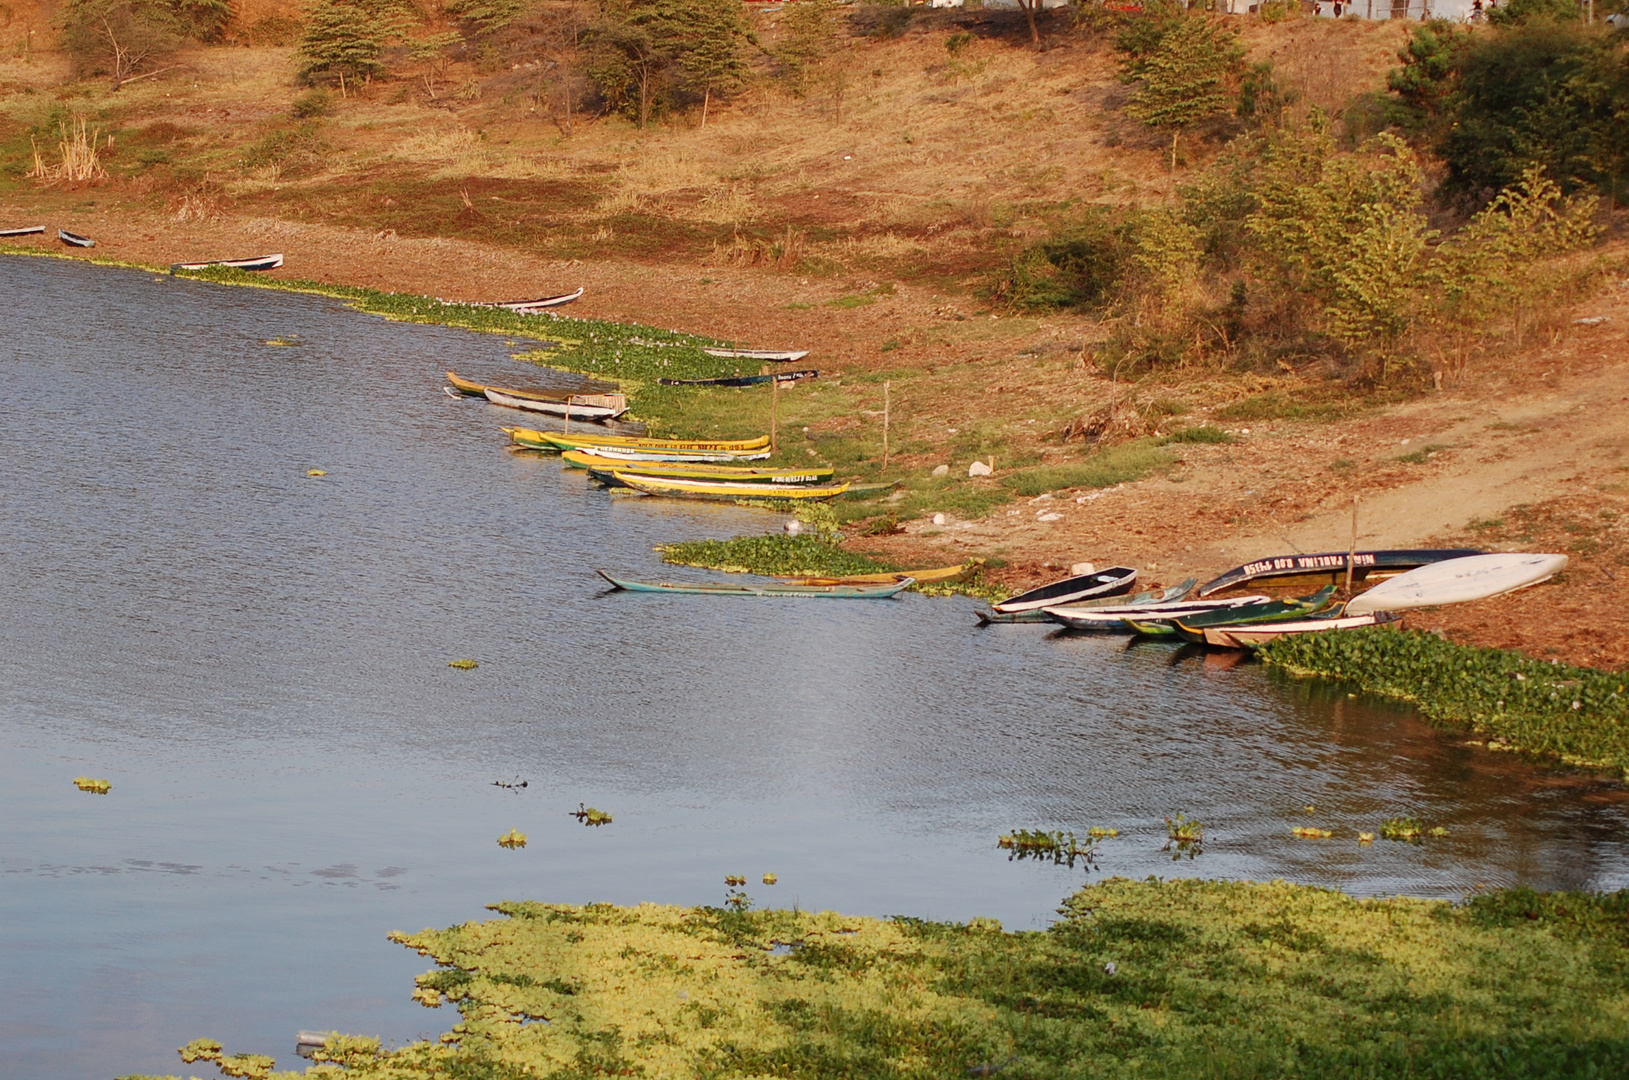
1078,266
121,38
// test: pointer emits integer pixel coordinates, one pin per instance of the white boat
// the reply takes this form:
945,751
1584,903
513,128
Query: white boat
26,230
574,407
1248,637
542,303
1115,581
1458,581
264,262
1112,617
773,356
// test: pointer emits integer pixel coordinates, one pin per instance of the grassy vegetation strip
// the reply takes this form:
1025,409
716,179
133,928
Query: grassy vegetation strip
773,556
1579,715
1138,980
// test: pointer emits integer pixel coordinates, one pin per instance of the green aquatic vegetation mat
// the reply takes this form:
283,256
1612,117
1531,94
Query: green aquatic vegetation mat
1150,979
1577,715
773,556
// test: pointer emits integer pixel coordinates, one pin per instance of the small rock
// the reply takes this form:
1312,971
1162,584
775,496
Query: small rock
1082,568
938,519
1041,498
1050,517
792,528
1593,320
941,470
1109,968
979,468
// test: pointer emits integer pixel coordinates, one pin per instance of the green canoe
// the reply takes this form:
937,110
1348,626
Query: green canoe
720,588
1039,615
1192,627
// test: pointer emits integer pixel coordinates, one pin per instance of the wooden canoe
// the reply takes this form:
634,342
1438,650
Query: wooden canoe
1111,582
26,230
1459,581
601,467
1248,637
264,262
720,588
1328,567
629,458
591,442
596,407
744,380
1039,615
724,489
542,303
939,575
772,356
1112,617
74,239
465,386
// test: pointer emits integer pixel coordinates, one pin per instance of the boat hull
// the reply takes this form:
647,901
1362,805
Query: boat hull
602,468
724,490
771,356
1246,637
1328,568
1459,581
590,442
26,230
1112,617
74,239
838,592
744,380
1115,581
575,407
264,262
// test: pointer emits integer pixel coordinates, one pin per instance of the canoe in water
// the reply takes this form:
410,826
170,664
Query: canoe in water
1111,582
1112,617
723,588
590,442
602,466
1459,581
572,407
1248,637
723,489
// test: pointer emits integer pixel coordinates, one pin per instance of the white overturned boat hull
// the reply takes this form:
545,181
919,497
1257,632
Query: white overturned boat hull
772,356
1459,581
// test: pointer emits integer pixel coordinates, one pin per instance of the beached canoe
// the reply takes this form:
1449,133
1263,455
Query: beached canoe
1459,581
631,459
542,303
1111,617
26,230
744,380
1328,567
1248,637
74,239
595,407
1039,615
938,575
724,489
722,588
594,442
770,356
1192,627
264,262
601,466
1071,590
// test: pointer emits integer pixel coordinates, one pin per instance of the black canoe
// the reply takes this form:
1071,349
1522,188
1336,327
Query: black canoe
264,262
1111,582
26,230
75,239
1328,567
744,380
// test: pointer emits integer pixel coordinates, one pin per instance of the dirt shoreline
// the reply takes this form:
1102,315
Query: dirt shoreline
1530,452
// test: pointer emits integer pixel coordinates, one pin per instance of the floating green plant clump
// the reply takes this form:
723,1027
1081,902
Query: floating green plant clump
316,472
1312,832
95,787
1145,980
1579,716
590,816
463,665
1184,836
512,839
1059,847
773,556
1400,828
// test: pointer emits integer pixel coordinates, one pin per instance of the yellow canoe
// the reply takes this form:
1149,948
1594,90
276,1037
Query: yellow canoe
464,386
605,466
475,389
723,489
942,575
549,440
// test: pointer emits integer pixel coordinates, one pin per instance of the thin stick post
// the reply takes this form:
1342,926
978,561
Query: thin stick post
774,411
887,395
1351,552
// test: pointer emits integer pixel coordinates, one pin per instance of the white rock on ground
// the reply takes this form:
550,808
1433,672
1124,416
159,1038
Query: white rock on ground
979,468
941,470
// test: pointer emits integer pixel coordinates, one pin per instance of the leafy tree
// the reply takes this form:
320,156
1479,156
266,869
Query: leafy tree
712,34
645,50
485,17
811,28
1521,12
120,37
1430,70
342,40
1187,75
1521,99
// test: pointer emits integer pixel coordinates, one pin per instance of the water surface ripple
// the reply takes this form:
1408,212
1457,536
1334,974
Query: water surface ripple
257,660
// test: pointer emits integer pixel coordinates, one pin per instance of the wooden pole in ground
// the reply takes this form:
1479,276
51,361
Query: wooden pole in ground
1351,552
774,410
887,388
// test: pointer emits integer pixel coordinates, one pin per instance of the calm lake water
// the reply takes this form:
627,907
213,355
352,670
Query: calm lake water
257,660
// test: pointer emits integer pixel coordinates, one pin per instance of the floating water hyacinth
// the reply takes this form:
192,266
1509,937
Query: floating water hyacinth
590,816
1437,830
1365,837
734,881
1307,832
290,339
1400,828
1186,836
770,879
512,839
316,472
95,787
463,665
1060,847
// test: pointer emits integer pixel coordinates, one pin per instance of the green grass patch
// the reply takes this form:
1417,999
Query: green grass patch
1422,455
1202,434
773,555
1136,981
1281,405
1579,716
1116,465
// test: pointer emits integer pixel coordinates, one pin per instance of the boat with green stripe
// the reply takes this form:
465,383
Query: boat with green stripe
604,468
730,588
